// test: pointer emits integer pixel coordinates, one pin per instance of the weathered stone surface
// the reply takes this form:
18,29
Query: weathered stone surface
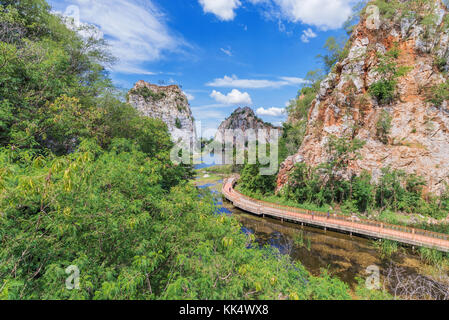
168,104
419,138
241,120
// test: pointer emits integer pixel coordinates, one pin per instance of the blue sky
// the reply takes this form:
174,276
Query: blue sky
224,53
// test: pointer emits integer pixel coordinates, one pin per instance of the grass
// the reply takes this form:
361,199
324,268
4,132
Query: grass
386,248
207,178
434,257
222,169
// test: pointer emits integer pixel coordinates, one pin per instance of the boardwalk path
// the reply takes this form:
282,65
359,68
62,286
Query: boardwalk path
353,225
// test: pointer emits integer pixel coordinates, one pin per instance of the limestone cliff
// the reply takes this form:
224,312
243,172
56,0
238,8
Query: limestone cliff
408,49
168,104
244,119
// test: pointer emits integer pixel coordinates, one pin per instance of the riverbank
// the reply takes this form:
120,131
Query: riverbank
345,257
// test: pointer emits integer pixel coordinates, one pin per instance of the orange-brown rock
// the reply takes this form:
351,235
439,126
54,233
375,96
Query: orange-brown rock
419,138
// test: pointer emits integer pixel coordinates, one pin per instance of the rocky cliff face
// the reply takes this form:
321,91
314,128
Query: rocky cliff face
244,119
414,44
168,104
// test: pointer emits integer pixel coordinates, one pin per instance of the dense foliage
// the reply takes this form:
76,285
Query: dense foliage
109,214
252,181
86,181
396,191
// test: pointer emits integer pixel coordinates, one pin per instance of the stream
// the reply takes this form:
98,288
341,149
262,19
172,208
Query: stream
344,256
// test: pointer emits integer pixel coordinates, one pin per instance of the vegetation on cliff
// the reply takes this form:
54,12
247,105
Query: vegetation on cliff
333,181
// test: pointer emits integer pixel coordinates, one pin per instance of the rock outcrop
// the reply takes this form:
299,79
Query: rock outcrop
241,120
168,104
418,138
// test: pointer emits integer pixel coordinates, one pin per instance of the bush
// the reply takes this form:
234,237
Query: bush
386,248
383,126
438,94
291,140
395,190
148,94
252,181
178,123
440,63
384,91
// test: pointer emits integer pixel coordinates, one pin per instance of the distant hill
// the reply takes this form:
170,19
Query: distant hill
244,119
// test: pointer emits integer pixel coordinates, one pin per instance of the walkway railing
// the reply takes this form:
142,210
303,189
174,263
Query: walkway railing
355,225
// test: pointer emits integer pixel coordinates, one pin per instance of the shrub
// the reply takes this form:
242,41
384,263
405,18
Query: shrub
178,123
384,91
252,181
387,248
440,63
383,126
148,94
438,94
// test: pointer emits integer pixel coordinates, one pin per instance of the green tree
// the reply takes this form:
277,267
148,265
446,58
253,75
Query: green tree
335,51
252,181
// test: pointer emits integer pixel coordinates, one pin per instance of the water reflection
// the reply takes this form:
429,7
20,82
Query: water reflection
342,255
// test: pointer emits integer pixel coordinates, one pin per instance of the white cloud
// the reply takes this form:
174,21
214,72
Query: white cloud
135,30
307,35
273,112
325,14
235,97
294,80
223,9
234,81
227,52
189,96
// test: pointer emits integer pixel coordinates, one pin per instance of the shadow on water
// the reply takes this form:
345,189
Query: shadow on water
344,256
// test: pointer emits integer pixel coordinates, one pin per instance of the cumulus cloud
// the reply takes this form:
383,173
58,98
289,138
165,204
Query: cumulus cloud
223,9
189,96
135,30
307,35
234,81
325,14
235,97
273,112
